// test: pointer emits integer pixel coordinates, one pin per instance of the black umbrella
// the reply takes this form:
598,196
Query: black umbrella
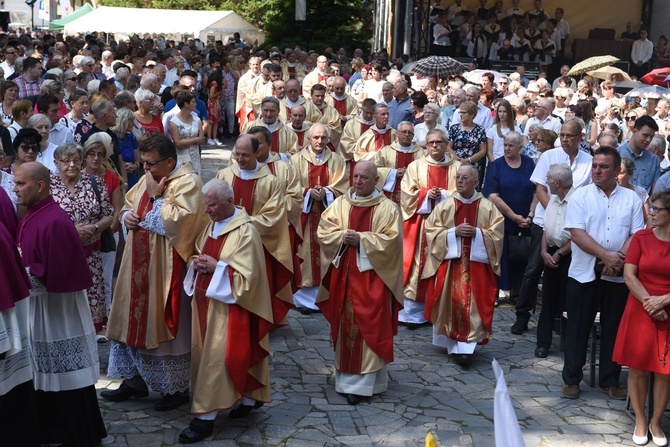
440,66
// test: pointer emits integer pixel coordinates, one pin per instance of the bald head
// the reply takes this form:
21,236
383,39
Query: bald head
298,115
339,86
35,171
31,183
365,178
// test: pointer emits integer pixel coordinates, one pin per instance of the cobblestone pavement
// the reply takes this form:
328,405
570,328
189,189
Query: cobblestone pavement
427,392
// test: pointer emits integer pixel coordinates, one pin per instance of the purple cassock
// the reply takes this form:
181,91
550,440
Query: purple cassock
51,248
8,214
14,281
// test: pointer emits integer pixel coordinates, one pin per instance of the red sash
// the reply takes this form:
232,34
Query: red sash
245,116
359,304
300,134
382,139
211,248
321,78
341,106
402,160
275,142
318,175
244,193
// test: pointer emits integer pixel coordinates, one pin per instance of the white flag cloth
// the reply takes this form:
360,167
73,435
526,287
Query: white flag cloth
507,430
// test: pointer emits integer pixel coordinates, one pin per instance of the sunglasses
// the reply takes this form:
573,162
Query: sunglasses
631,118
72,79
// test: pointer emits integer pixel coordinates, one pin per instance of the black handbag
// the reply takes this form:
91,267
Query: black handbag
518,247
107,241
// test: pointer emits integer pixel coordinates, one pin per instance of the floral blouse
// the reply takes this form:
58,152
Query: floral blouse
466,142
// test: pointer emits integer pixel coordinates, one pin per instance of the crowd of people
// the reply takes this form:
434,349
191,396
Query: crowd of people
373,197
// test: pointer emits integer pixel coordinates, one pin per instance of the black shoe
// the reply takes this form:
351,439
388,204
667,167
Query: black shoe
519,327
307,310
172,401
354,399
196,431
243,410
541,352
462,359
124,392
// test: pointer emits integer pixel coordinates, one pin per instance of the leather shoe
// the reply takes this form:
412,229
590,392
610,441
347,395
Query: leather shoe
243,410
124,392
659,441
307,310
541,352
172,401
614,392
462,359
571,391
196,431
519,327
354,399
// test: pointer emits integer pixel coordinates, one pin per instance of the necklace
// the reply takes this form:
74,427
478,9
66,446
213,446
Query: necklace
665,347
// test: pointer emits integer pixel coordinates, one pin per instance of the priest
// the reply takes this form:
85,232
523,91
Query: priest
353,130
299,126
324,114
361,291
283,139
232,315
465,239
380,134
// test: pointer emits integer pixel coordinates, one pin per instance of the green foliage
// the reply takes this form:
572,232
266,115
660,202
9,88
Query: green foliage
330,23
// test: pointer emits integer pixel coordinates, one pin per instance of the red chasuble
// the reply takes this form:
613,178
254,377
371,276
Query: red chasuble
352,163
469,281
402,160
275,143
137,325
278,275
341,106
245,330
318,175
382,139
413,228
359,304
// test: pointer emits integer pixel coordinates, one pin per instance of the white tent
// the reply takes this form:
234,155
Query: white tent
130,21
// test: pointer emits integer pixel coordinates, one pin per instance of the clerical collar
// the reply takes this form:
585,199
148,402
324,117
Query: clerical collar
247,174
382,131
442,160
368,122
291,103
177,166
467,201
405,149
339,98
374,194
219,226
272,126
319,157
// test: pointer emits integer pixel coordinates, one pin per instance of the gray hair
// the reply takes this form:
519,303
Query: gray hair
315,126
144,95
101,107
76,61
562,173
459,92
122,73
68,150
608,139
475,89
87,60
406,123
35,120
434,108
659,142
628,165
387,85
51,88
220,188
271,99
378,106
535,127
515,137
99,139
147,80
580,123
122,116
93,86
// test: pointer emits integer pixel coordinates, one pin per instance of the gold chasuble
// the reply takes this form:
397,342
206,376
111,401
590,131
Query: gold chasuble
371,141
463,289
330,173
361,298
421,175
230,341
284,140
391,158
346,107
263,198
330,118
145,308
285,109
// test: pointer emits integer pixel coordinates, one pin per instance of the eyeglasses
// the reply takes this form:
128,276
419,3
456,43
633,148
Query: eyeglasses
631,118
435,143
72,79
656,209
569,135
151,164
99,155
30,148
75,161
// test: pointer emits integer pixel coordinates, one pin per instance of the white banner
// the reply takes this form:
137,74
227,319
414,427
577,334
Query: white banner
43,11
300,10
65,8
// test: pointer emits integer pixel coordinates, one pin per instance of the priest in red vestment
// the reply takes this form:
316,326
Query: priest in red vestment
299,126
243,105
361,291
283,140
260,194
292,99
465,238
346,105
232,315
323,178
352,131
380,134
327,115
427,181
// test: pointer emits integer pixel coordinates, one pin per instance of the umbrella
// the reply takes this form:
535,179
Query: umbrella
608,72
656,77
440,66
408,67
652,91
475,76
592,63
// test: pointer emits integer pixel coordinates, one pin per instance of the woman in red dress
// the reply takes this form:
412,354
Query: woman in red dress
643,337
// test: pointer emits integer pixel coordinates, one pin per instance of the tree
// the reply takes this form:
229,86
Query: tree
330,23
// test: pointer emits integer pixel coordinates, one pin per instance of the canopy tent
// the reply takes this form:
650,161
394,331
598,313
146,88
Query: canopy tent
60,23
131,21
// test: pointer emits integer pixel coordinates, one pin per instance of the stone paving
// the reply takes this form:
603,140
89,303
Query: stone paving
427,392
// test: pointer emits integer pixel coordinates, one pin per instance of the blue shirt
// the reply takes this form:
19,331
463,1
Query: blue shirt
647,167
200,108
400,111
663,182
354,77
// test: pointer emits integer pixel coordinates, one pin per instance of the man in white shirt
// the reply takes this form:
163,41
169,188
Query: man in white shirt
602,218
640,54
11,54
543,117
580,165
483,118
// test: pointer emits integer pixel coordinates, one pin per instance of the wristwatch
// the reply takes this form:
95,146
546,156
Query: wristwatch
96,227
152,199
560,254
